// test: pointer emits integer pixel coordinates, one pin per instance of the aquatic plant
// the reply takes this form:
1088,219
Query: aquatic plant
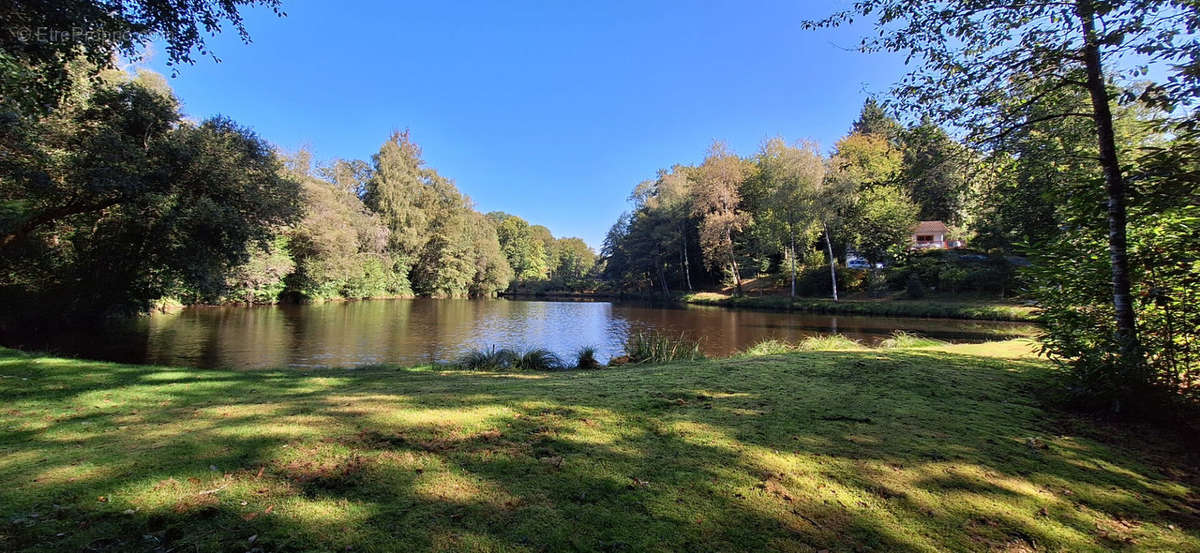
902,339
489,360
585,358
656,347
539,359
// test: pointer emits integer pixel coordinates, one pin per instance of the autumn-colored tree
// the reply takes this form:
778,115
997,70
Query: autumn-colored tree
717,202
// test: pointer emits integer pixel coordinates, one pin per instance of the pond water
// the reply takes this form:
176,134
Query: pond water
348,334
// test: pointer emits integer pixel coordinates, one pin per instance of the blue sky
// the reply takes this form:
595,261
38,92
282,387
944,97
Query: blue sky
548,110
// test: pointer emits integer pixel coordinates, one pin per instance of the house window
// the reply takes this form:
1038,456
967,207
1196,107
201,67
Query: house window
924,238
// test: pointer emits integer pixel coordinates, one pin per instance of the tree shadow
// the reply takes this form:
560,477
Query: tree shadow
852,451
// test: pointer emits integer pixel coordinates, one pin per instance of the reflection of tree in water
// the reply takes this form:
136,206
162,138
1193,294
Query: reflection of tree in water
419,331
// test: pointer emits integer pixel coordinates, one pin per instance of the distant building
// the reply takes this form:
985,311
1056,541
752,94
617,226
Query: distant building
933,235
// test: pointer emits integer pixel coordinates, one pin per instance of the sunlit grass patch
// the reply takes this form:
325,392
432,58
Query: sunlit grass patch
902,339
935,448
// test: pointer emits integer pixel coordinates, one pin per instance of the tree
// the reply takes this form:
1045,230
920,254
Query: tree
492,272
340,247
970,52
114,201
575,261
40,39
525,253
717,204
935,173
874,120
397,192
882,221
792,176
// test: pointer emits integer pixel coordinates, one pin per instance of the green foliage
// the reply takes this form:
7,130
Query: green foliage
657,347
489,360
122,202
935,173
261,278
889,308
769,346
34,75
539,359
914,289
1069,283
882,221
902,339
503,359
585,358
541,262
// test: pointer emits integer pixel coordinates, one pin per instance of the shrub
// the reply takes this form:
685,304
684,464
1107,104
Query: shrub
914,290
489,360
655,347
902,339
539,359
768,347
585,358
828,343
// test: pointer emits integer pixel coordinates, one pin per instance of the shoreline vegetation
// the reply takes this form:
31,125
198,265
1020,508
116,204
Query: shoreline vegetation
926,308
921,446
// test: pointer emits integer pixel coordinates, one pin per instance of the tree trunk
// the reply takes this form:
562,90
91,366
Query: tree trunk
792,256
662,278
737,274
687,269
1114,183
832,263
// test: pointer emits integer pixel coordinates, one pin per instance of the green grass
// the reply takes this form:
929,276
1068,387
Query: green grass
902,339
889,308
906,450
658,347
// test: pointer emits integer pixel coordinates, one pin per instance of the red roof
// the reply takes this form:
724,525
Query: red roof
930,227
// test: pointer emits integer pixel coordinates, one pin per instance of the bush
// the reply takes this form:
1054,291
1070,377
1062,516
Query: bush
902,339
828,343
585,358
655,347
503,359
768,347
914,290
489,360
1071,281
539,359
814,281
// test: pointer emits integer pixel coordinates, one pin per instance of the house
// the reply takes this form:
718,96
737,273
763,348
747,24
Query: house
932,235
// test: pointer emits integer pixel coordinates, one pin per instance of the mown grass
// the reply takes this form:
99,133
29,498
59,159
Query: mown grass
887,308
941,448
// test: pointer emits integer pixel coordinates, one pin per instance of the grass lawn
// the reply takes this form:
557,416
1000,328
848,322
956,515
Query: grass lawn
924,449
949,309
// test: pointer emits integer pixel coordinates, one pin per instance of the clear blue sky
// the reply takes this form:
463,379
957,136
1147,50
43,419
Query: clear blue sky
548,110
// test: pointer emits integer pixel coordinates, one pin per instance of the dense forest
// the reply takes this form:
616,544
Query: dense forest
119,203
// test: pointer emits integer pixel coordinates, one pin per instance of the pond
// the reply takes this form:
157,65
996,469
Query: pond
407,332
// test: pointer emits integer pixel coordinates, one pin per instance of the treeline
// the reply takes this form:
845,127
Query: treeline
114,202
789,210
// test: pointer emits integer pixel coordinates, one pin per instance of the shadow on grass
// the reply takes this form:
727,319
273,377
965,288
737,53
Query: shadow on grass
849,451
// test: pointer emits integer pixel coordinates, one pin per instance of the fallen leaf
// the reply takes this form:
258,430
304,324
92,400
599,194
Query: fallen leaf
250,516
269,509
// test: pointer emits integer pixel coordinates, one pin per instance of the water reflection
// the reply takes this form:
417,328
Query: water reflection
423,330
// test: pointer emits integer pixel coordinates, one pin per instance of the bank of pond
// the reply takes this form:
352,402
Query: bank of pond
415,331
